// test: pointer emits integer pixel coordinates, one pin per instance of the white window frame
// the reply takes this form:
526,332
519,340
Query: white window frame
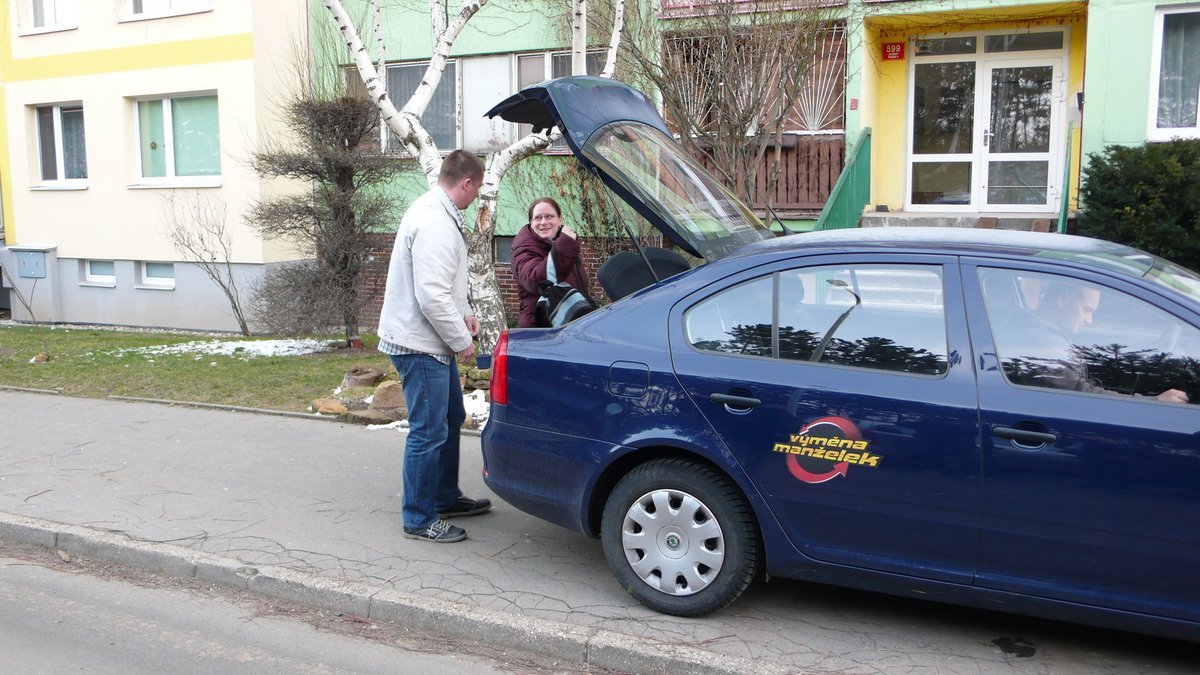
158,9
94,279
522,130
146,280
170,180
59,161
1153,132
58,15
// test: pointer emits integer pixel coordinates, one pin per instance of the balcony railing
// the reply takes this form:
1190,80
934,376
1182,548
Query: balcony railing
853,189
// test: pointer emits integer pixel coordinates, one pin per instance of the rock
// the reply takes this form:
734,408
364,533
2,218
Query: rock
40,358
373,416
355,398
389,395
329,406
362,376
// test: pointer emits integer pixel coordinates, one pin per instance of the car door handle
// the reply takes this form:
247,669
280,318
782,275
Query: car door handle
1025,436
742,402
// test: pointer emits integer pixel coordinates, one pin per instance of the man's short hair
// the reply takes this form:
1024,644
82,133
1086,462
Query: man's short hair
1059,288
459,165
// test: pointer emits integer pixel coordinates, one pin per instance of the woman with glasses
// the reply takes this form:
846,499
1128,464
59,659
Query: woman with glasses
542,236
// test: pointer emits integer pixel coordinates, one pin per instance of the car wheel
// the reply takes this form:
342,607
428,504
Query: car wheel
679,537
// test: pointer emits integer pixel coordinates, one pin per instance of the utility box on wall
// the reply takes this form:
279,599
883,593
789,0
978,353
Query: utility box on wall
31,264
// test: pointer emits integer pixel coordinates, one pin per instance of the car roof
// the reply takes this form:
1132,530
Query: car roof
956,240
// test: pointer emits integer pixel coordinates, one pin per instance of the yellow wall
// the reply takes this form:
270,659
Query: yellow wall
885,99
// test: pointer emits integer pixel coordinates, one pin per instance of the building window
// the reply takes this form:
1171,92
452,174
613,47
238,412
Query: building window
1176,74
100,272
48,15
154,8
179,139
535,68
61,143
440,118
157,274
502,250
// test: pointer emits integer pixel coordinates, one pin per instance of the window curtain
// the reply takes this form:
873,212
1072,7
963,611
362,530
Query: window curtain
196,136
441,116
1179,76
74,148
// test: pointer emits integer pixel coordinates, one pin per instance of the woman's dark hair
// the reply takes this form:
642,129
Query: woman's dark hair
544,200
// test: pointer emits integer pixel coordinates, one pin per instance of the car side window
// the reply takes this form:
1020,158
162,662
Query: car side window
736,320
883,317
1060,332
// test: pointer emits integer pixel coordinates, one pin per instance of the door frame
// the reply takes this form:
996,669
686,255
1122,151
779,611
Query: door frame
1059,59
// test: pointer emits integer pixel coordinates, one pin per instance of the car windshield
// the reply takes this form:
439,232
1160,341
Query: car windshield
651,166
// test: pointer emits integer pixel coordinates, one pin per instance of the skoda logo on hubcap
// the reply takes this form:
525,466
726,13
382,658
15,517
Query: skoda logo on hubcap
673,542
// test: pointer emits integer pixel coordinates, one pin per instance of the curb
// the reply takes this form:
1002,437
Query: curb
590,646
213,406
243,409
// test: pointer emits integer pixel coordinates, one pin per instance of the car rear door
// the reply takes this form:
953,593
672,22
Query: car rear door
1088,497
843,386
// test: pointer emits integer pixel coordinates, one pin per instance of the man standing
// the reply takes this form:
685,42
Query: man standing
425,322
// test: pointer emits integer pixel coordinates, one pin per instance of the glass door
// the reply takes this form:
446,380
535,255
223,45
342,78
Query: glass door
1019,145
985,122
943,135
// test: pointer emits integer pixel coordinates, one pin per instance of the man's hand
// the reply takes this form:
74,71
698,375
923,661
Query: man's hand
472,325
1173,396
465,355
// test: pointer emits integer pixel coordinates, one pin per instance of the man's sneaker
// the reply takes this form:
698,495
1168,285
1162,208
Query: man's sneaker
465,506
438,531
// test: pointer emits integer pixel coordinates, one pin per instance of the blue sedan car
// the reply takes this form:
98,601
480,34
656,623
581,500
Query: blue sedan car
989,418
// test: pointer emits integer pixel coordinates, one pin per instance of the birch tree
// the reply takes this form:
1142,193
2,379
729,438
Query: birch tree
406,124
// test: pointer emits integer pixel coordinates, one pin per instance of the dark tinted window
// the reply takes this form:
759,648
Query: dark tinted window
869,316
737,320
1062,333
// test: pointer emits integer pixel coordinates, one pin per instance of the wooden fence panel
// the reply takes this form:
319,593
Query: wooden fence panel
809,167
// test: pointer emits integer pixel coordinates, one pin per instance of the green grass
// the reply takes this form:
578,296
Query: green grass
97,363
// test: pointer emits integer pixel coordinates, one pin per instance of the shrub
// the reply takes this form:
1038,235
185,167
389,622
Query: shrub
1147,197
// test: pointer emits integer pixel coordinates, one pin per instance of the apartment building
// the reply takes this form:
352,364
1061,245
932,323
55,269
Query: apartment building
118,118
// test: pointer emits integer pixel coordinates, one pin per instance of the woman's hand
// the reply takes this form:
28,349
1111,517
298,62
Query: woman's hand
566,229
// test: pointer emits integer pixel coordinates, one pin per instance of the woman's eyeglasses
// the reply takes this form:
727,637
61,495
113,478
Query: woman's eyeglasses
543,217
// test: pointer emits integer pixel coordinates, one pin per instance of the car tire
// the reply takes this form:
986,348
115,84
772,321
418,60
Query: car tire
679,537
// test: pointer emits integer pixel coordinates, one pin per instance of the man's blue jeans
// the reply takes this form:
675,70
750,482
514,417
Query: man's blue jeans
435,416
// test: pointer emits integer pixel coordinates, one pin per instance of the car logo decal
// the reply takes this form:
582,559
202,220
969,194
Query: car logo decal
825,449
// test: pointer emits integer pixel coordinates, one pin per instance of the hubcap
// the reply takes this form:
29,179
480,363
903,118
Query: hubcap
673,542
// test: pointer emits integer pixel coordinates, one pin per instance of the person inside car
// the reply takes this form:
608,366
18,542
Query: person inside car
1047,338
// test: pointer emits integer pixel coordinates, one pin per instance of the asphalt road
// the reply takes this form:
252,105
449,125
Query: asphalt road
60,617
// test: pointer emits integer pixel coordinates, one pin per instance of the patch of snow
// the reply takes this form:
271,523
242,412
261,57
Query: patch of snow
240,348
401,425
477,409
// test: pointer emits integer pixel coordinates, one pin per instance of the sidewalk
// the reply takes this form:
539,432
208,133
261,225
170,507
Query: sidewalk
308,511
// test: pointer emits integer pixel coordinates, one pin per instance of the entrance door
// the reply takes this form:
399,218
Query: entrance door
1019,146
985,130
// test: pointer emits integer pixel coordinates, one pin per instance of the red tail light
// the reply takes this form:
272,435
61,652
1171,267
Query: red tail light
500,370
